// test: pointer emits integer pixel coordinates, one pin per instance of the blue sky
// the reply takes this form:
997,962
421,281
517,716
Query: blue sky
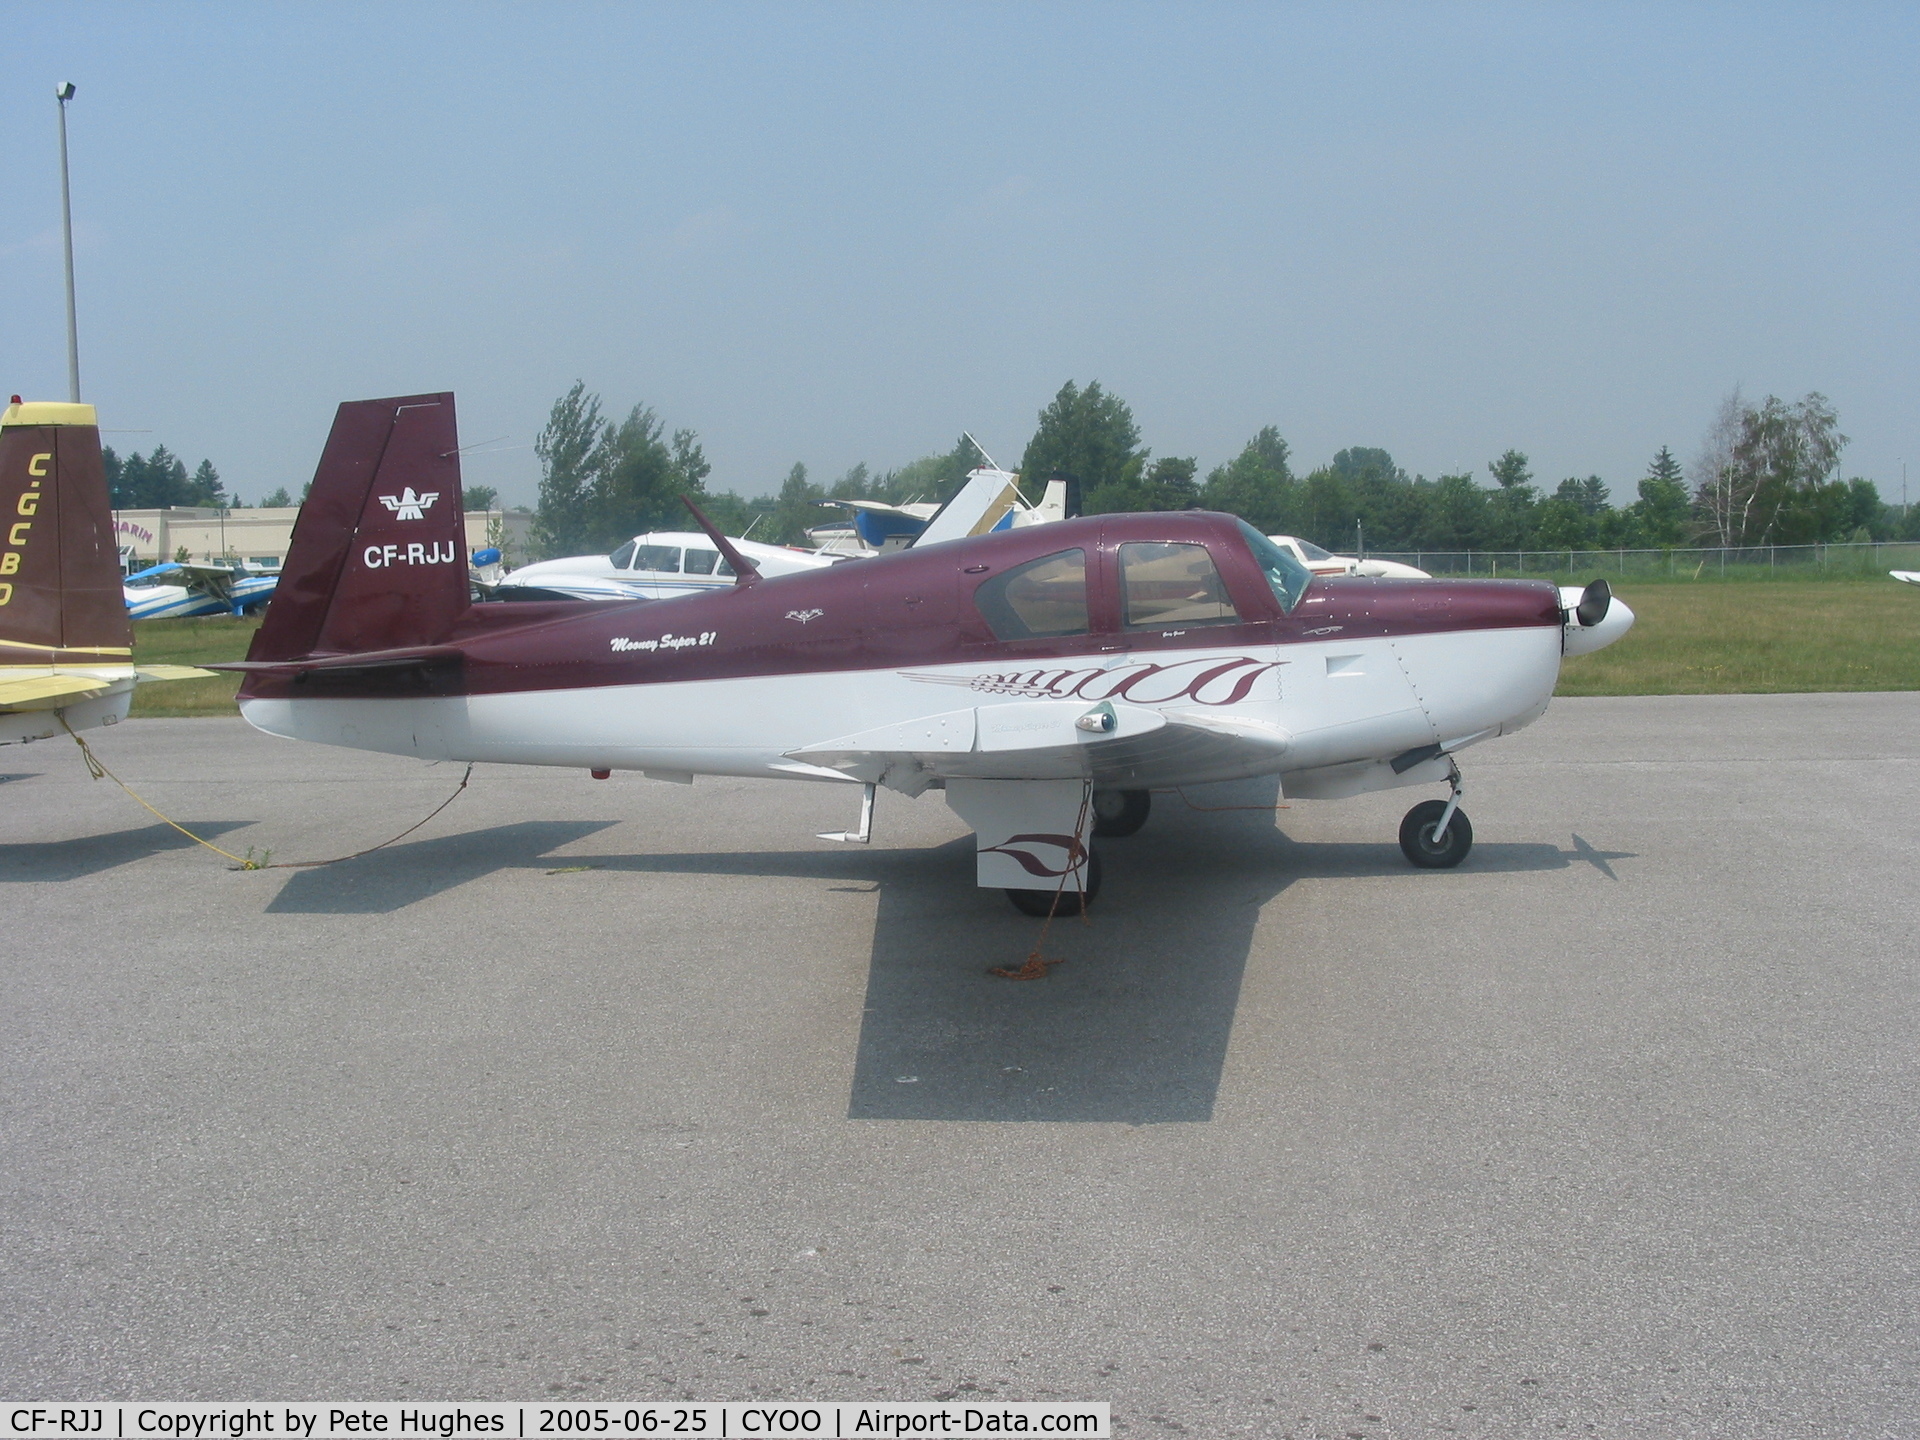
842,233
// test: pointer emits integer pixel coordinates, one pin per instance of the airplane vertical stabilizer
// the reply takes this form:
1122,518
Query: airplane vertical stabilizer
379,553
59,570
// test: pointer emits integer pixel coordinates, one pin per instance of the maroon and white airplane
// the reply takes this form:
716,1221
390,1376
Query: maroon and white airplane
1047,678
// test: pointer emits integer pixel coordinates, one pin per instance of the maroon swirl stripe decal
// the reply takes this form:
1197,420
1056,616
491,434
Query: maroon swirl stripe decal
1211,680
1033,864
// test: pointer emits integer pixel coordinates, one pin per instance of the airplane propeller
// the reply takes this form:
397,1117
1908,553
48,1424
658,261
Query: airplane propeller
1594,602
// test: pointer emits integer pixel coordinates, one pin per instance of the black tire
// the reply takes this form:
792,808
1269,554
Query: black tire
1040,903
1418,842
1120,812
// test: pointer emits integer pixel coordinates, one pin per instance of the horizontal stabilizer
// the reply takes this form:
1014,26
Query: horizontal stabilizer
334,664
174,672
40,692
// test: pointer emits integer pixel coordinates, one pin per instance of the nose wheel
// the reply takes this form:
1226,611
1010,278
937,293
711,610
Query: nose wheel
1436,834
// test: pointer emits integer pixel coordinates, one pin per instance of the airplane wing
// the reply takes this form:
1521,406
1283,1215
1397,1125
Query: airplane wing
173,672
914,510
1912,577
1117,746
1016,773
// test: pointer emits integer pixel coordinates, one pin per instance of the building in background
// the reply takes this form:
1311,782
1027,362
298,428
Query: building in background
260,537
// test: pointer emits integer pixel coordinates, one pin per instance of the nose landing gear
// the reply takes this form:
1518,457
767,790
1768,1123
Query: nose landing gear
1436,834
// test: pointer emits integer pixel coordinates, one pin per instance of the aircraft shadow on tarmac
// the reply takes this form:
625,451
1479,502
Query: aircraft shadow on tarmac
1132,1028
55,860
392,879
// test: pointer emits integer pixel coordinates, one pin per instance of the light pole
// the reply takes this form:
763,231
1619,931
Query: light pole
65,93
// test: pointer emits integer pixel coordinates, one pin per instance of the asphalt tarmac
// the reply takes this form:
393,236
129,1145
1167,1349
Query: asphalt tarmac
633,1090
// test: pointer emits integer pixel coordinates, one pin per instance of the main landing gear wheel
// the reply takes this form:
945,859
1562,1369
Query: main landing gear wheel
1120,812
1429,850
1040,903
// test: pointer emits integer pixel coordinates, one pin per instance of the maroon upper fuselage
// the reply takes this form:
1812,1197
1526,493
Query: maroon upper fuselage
912,608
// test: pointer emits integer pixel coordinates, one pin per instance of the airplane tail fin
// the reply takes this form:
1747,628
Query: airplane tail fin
379,553
59,566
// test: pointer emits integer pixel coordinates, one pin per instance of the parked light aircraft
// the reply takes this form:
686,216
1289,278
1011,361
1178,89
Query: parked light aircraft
1046,678
987,502
1912,577
656,566
1325,562
66,643
175,589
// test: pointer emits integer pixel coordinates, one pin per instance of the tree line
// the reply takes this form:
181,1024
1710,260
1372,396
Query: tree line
159,481
1766,474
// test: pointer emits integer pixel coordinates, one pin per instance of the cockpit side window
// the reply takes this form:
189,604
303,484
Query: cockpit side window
622,557
1043,597
699,561
657,557
1176,584
1288,577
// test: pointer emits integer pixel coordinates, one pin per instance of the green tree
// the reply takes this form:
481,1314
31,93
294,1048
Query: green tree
1256,484
1764,475
1663,513
205,487
276,499
1090,434
639,477
935,478
477,498
601,483
1455,515
1564,521
795,510
1510,517
1171,483
569,449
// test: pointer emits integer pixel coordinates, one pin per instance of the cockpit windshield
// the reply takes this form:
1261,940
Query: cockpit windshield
1288,577
1313,551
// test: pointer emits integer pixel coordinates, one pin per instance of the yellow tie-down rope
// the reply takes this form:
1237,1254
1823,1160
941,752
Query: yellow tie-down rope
97,768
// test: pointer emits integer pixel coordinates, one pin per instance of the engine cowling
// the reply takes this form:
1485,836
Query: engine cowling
1591,619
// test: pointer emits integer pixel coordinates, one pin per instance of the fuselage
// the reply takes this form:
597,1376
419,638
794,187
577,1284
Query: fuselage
731,682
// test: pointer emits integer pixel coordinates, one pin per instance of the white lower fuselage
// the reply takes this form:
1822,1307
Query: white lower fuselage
1348,706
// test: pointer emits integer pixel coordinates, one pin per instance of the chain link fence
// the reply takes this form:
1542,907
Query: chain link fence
1864,559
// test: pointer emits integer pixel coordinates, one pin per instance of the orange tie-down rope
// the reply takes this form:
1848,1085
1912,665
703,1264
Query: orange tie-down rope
97,768
1037,964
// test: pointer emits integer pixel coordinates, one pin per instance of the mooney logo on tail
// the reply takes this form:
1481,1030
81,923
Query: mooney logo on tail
409,506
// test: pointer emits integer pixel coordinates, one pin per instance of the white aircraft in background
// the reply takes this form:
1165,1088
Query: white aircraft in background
1325,562
1912,577
1046,678
655,566
66,641
665,564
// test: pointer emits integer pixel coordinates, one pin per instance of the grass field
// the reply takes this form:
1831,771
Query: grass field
190,642
1756,637
1732,638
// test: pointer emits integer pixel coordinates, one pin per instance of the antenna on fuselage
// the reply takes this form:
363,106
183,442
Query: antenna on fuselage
744,570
